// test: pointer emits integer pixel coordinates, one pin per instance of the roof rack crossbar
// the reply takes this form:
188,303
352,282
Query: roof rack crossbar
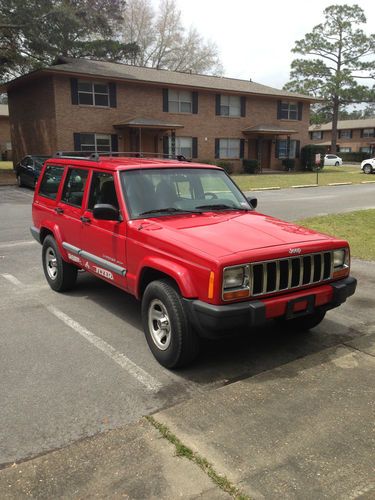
95,155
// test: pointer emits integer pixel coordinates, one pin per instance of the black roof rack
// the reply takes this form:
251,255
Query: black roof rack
95,155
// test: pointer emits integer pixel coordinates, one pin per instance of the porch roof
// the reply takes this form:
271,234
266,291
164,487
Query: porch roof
265,129
151,123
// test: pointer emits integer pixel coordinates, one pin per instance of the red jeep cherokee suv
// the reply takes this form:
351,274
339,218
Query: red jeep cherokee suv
185,240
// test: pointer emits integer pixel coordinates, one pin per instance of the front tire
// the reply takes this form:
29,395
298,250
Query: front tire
337,164
302,323
168,332
367,169
60,275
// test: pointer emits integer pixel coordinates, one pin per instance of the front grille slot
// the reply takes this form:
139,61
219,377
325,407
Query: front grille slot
284,274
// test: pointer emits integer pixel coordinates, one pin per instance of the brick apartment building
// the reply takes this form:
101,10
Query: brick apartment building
79,104
353,135
5,142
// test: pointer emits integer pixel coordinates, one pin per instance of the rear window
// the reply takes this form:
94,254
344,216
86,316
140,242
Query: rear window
51,181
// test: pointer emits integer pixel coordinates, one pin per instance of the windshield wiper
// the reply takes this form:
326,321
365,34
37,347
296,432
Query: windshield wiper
170,210
222,206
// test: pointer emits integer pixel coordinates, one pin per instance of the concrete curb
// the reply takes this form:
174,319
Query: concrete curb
340,183
367,182
305,186
272,188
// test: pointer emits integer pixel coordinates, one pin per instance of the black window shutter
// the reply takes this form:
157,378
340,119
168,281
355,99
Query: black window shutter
195,102
298,145
74,90
77,141
300,108
279,110
351,134
195,147
243,106
166,145
242,148
114,142
217,104
112,95
165,100
217,147
361,132
277,148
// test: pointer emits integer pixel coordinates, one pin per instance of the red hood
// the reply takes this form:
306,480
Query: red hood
221,234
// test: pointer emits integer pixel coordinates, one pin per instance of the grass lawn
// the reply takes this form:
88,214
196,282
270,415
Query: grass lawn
356,227
351,173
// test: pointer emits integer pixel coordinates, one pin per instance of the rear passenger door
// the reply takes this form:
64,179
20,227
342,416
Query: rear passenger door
69,209
103,241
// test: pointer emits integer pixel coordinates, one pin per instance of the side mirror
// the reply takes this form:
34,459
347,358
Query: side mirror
103,211
253,201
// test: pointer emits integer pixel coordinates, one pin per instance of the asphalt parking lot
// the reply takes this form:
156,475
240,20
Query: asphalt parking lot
73,365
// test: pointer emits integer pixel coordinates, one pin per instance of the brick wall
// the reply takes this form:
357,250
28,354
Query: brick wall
356,142
135,100
4,132
43,119
32,118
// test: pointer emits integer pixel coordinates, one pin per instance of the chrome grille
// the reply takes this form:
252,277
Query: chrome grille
283,274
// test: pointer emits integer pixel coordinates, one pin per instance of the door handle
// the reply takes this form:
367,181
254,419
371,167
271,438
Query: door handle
59,210
85,219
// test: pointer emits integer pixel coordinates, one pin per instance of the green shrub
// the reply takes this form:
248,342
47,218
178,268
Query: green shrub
250,166
288,164
226,165
353,156
308,153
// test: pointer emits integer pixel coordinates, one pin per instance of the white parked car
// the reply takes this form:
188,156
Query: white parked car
368,166
332,160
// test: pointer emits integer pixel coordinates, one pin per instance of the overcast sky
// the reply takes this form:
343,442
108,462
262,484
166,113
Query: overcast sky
255,38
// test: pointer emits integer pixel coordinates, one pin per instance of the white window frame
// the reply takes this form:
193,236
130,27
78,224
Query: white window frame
365,149
345,149
230,105
182,99
183,146
94,146
229,149
368,132
93,93
314,133
283,149
289,110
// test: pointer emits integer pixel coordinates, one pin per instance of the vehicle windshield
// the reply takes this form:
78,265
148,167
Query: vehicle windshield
39,160
175,191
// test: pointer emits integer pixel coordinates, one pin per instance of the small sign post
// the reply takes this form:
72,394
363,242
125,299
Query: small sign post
318,161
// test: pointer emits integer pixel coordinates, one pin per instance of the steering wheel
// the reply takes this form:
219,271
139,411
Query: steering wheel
210,196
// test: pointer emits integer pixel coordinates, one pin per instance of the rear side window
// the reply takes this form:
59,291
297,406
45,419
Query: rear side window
51,181
102,190
74,187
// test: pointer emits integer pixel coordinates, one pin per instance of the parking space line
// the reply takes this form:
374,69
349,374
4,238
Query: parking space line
12,279
10,244
136,371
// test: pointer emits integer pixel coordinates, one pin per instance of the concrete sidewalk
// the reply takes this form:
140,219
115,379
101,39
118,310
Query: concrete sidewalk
303,430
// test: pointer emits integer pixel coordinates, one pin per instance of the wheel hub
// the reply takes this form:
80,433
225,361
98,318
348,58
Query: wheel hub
51,262
159,324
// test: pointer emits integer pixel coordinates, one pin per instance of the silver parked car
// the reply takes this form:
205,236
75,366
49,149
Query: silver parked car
330,159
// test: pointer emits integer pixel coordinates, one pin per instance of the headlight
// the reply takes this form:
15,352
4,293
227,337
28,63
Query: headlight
340,259
236,282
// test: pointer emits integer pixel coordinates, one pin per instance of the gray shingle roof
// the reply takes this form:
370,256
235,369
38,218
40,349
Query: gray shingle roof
345,124
269,129
165,77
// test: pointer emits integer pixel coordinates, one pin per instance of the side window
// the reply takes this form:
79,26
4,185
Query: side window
51,181
74,187
102,190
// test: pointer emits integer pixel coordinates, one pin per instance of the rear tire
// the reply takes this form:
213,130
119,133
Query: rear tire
302,323
60,275
367,169
337,164
169,335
